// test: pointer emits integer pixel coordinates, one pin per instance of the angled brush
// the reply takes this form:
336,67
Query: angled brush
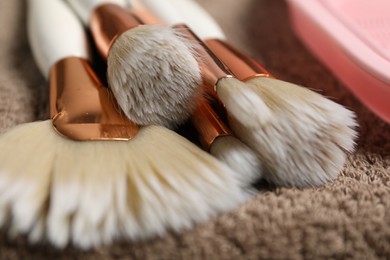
302,137
89,175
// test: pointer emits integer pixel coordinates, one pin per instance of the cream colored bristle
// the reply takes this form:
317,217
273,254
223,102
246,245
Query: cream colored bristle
304,140
239,157
154,75
91,193
242,102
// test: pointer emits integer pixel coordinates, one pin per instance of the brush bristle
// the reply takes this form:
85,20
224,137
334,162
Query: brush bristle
305,139
240,101
91,193
154,75
239,157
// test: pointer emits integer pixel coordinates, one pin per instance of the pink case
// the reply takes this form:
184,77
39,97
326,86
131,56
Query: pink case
352,37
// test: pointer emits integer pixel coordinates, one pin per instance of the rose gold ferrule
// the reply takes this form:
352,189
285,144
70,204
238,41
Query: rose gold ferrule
208,125
107,23
241,65
212,68
215,102
83,109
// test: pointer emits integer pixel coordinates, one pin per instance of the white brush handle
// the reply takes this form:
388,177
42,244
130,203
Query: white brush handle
54,33
84,8
161,9
187,12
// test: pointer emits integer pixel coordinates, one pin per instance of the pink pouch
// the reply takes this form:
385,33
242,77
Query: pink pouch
352,37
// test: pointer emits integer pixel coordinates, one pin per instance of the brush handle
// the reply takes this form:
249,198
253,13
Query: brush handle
106,19
161,10
54,33
84,8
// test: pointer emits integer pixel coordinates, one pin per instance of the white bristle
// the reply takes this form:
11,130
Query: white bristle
242,102
91,193
304,141
239,157
154,75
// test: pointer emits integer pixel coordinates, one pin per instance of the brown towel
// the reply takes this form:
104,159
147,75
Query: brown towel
346,219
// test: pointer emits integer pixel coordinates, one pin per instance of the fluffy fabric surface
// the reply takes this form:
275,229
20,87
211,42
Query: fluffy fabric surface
346,219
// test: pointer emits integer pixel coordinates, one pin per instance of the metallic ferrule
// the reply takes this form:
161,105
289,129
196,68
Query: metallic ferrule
83,109
208,125
107,23
241,65
213,69
215,102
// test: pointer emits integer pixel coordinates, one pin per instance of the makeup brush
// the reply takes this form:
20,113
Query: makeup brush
97,177
151,69
303,137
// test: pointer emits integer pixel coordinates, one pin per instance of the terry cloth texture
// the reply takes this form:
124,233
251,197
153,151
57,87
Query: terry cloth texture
346,219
